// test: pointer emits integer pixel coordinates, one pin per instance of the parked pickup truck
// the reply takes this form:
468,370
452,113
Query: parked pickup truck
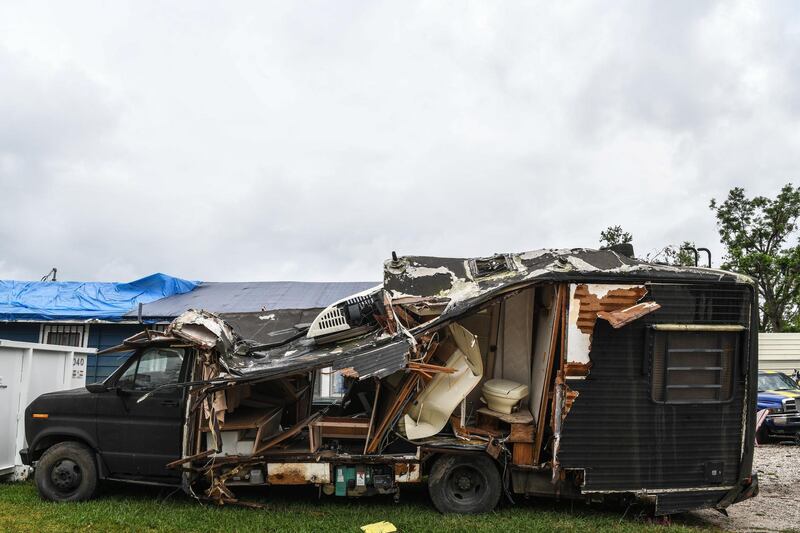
577,373
778,393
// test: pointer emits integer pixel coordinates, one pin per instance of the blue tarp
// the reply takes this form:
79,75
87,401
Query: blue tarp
76,300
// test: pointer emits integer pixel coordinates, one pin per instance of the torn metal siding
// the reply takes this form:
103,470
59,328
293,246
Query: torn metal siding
620,437
205,330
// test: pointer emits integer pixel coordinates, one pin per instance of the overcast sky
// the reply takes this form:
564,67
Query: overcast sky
307,140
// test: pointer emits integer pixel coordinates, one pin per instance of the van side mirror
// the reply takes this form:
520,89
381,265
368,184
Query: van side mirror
96,387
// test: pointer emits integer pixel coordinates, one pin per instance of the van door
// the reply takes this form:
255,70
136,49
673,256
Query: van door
138,438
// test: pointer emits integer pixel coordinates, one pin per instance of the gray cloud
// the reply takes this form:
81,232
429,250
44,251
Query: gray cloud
289,141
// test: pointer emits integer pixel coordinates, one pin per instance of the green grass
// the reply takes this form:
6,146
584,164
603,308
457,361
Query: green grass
126,508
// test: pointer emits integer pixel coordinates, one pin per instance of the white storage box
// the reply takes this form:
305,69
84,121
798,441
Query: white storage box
28,370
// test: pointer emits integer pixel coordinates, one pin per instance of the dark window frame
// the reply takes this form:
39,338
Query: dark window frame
652,340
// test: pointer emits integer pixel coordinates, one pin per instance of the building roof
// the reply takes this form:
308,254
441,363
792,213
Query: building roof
162,297
79,300
249,297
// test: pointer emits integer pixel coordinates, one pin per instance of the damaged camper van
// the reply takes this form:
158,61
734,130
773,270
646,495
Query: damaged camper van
570,373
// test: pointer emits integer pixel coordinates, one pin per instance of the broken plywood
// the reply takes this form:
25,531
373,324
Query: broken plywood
586,301
622,317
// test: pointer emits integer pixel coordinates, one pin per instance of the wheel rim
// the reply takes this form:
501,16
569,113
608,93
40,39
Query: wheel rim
66,475
466,484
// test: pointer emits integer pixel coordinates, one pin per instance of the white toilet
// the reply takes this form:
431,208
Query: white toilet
502,395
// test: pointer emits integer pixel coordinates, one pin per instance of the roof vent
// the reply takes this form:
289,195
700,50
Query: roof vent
489,266
354,312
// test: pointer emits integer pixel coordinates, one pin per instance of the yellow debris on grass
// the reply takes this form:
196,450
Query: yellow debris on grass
379,527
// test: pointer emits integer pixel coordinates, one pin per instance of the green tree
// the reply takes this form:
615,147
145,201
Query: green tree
680,255
760,241
672,254
613,235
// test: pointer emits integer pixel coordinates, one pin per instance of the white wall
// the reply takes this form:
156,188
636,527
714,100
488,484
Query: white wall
779,351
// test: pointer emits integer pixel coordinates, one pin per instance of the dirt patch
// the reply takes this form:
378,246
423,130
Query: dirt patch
777,507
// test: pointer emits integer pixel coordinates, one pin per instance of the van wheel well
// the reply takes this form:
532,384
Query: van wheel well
51,440
429,460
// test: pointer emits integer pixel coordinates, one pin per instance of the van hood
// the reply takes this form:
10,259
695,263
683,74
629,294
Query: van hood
59,400
777,396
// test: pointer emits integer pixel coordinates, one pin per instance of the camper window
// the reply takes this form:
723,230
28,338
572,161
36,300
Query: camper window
692,366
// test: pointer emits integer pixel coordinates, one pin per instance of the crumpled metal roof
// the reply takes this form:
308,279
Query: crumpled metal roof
459,282
371,355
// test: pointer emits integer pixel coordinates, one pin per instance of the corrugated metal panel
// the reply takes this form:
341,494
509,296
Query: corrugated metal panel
377,362
368,357
249,297
626,441
779,351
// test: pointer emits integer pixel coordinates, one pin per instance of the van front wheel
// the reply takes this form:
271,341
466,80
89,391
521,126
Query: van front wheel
66,472
465,484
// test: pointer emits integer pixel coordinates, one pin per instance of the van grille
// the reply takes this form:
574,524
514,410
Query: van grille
789,405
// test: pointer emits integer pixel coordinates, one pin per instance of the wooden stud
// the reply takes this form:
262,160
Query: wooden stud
558,325
522,433
522,454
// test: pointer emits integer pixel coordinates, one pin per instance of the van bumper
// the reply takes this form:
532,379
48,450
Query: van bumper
25,456
691,500
748,490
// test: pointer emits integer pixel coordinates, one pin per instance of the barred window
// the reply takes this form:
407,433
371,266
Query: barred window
64,334
691,366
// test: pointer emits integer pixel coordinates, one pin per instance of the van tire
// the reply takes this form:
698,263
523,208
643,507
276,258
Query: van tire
464,484
66,472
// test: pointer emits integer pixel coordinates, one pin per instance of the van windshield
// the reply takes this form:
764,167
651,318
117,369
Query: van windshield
776,381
